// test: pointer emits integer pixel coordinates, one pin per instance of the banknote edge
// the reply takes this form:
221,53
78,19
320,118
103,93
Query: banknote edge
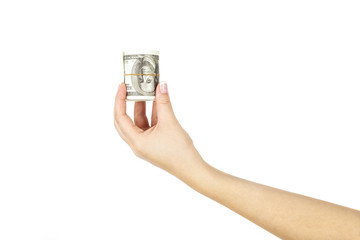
134,52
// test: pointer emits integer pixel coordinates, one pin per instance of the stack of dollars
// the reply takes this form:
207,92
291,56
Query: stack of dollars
141,74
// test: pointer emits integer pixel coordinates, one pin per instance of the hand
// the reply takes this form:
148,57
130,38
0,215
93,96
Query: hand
165,143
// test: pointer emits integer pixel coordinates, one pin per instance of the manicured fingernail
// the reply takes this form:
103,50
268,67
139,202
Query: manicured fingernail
163,88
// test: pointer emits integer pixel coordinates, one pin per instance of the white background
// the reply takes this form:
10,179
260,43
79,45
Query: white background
268,91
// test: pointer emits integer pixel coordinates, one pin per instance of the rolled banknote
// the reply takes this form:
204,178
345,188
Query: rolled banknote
141,74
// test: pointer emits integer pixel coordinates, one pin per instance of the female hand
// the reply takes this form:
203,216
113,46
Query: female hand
165,143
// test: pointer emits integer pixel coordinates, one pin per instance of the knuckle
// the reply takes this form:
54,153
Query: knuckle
138,154
164,100
137,148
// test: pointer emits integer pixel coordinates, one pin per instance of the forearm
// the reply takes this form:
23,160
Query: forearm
286,215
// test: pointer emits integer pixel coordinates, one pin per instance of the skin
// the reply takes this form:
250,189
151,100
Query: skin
287,215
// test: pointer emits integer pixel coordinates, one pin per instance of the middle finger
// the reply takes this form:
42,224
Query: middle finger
140,118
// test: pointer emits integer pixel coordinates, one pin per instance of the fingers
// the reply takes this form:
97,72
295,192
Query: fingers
154,117
163,104
123,123
140,118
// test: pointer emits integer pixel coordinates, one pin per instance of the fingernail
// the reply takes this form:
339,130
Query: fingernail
119,86
163,88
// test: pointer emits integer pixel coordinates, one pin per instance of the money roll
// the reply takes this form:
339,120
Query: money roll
141,74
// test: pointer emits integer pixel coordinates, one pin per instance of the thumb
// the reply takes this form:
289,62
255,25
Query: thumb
163,104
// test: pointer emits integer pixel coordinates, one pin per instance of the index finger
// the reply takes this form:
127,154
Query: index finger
122,120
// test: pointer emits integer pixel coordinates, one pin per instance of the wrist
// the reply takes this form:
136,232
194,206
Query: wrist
194,171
